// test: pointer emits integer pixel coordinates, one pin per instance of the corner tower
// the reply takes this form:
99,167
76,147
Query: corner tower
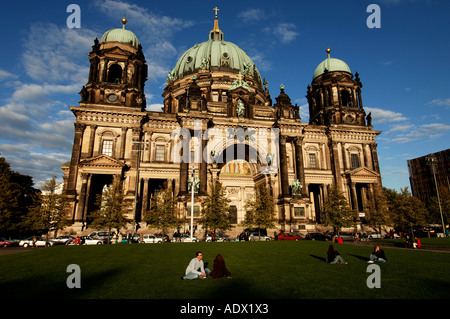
118,71
108,126
334,96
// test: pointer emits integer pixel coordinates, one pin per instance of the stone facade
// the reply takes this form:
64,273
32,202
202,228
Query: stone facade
218,119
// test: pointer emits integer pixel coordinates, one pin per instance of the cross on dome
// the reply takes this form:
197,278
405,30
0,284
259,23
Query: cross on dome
216,9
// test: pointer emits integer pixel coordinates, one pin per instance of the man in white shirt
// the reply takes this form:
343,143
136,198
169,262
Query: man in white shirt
196,268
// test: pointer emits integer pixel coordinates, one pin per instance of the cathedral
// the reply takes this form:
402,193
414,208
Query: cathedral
218,122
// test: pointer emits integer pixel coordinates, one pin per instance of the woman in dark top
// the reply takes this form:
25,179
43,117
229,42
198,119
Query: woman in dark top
219,268
377,255
334,257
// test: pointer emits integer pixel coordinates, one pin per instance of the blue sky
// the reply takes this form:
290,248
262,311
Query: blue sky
403,65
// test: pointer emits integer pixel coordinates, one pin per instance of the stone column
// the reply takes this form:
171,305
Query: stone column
284,168
76,153
91,140
335,163
82,198
299,163
144,198
373,149
354,196
123,138
135,161
203,170
368,157
364,197
184,166
360,99
345,158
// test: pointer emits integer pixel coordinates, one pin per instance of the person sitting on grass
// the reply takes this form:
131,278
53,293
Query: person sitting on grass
219,268
416,243
334,257
408,242
377,255
196,268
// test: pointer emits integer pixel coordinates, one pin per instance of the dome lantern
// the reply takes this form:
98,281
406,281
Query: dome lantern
216,34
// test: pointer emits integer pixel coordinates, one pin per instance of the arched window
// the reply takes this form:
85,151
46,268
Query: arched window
345,98
115,74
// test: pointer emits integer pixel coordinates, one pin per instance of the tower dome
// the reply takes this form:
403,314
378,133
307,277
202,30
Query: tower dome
121,35
331,65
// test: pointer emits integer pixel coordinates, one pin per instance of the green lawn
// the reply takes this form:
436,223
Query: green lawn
259,270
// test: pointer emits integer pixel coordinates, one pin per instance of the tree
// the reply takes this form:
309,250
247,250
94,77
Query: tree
260,212
163,212
377,213
407,211
112,212
336,210
18,198
215,209
52,214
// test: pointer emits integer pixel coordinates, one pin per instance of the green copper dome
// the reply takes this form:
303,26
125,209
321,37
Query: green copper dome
215,54
331,65
122,36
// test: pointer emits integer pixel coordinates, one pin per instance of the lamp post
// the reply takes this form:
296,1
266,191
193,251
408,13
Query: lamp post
192,203
432,160
136,195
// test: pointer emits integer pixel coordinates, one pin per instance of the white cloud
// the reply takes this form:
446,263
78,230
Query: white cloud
57,54
385,116
5,75
262,63
387,63
285,32
430,130
440,102
252,15
400,128
411,133
155,107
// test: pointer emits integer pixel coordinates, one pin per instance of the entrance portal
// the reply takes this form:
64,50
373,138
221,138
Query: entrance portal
98,181
237,178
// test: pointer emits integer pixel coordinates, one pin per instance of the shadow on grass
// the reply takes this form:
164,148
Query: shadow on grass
51,286
237,289
320,258
360,257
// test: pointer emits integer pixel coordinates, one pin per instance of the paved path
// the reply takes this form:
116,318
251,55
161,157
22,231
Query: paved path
399,245
14,250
